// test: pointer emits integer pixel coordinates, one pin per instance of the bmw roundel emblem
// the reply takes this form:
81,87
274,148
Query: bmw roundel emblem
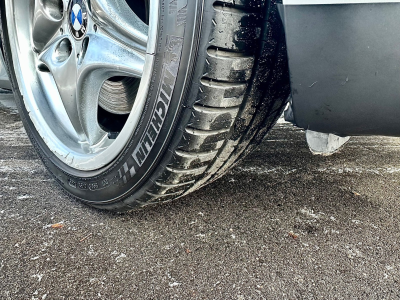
78,18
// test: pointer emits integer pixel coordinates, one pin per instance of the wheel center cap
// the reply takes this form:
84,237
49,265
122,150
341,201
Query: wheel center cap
78,18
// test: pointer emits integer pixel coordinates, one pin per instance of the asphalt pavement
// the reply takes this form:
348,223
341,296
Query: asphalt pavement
283,224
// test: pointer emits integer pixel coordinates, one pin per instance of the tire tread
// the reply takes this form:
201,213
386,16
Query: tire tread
228,119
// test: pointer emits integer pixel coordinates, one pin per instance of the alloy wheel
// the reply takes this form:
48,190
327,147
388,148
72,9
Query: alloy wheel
84,72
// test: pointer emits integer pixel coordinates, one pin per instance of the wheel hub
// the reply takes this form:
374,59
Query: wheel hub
78,18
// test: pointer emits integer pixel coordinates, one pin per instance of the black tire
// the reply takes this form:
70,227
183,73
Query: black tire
231,86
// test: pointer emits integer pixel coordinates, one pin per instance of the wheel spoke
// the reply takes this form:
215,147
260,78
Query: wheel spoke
60,59
47,20
117,18
101,58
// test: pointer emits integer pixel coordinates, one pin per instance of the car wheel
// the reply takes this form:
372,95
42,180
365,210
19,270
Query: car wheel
130,103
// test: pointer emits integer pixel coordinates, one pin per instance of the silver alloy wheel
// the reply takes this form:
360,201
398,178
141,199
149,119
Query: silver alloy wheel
63,53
